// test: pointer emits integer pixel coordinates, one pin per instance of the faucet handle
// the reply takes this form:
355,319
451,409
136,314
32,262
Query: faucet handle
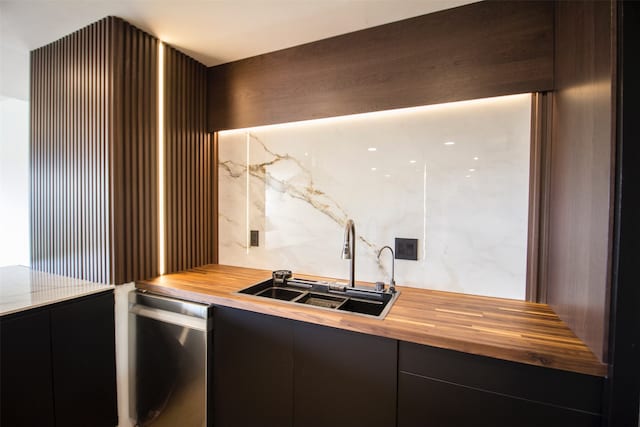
380,286
280,276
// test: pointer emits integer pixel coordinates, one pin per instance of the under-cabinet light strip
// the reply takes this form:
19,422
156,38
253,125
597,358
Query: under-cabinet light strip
161,237
376,114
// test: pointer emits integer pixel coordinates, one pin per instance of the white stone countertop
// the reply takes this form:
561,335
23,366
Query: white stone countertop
22,289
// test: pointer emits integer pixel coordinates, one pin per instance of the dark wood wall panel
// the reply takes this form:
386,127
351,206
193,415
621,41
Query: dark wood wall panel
135,153
189,165
579,247
71,81
478,50
93,149
623,382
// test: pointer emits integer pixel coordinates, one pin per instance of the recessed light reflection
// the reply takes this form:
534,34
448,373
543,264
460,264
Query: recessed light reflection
306,154
476,158
449,143
374,169
372,149
412,161
387,175
467,176
472,170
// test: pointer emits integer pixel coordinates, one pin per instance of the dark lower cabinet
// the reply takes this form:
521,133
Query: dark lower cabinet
427,402
343,378
57,365
253,369
444,388
270,371
25,370
83,359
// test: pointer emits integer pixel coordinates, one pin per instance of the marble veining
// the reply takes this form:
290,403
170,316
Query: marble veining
22,289
453,176
305,191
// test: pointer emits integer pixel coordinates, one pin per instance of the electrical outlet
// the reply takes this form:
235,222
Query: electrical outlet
407,249
255,238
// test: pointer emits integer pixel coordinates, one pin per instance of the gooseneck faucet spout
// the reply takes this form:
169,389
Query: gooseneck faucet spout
349,249
392,283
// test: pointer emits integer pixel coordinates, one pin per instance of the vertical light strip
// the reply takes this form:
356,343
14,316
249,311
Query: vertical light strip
161,237
424,212
248,236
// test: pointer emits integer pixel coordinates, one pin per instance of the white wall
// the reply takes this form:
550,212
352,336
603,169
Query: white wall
14,72
14,182
14,156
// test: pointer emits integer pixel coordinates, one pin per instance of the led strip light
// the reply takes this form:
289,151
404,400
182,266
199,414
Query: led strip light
161,242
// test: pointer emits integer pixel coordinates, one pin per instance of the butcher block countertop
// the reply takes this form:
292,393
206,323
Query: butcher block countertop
505,329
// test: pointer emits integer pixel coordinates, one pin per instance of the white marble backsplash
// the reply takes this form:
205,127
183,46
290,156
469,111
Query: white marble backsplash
466,202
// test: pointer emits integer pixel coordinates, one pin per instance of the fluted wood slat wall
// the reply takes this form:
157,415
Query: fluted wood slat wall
70,115
93,154
189,165
135,153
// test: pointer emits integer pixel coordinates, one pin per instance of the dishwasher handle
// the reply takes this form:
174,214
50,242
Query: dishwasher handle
169,317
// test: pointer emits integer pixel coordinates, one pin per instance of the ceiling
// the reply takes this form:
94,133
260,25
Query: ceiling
211,31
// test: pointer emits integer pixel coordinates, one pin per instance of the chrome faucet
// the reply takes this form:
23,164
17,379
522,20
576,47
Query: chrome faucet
392,283
349,250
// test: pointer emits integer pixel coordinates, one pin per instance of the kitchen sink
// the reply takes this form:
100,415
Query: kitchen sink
371,308
325,295
279,293
320,300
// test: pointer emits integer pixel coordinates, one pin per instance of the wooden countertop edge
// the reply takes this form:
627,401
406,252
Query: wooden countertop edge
389,327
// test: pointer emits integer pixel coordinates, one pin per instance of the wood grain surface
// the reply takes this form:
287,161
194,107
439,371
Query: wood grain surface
93,154
474,51
505,329
581,187
189,165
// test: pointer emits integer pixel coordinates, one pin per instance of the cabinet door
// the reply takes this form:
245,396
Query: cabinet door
534,383
446,388
425,402
343,378
253,369
83,344
26,397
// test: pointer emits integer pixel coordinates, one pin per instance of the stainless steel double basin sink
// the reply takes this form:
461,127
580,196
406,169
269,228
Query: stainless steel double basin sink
326,295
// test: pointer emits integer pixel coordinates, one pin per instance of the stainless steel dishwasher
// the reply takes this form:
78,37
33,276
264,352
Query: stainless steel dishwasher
170,351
